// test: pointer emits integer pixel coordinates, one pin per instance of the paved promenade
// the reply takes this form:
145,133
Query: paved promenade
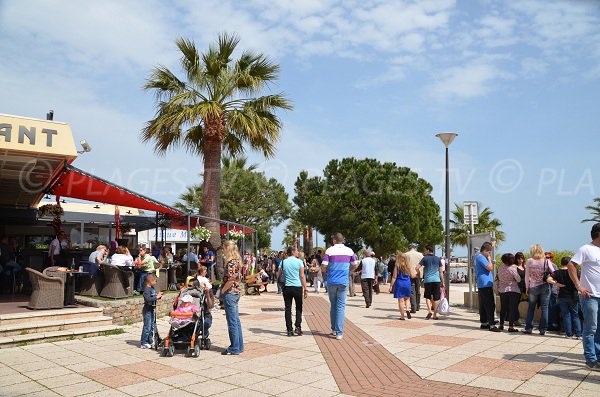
379,356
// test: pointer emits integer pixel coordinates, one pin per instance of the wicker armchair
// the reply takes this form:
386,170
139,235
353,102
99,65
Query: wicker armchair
92,283
48,292
52,271
117,283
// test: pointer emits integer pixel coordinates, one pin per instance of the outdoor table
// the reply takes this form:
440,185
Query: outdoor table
70,286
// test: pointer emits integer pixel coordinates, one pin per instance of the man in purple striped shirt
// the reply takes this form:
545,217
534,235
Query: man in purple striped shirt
338,262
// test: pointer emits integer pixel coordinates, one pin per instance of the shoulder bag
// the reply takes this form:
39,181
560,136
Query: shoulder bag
547,272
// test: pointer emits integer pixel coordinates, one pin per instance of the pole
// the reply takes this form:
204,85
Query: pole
81,234
470,264
447,229
187,265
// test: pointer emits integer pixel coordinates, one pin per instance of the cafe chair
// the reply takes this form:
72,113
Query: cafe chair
52,271
47,292
118,283
91,284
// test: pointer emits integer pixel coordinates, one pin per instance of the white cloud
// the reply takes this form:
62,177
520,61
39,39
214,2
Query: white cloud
464,82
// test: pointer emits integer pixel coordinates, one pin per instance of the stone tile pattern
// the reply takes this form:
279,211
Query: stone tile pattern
375,371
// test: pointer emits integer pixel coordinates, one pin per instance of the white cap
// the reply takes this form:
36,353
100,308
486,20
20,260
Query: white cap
187,298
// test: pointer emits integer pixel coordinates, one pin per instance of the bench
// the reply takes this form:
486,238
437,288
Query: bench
253,281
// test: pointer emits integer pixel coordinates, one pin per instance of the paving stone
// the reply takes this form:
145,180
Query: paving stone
146,388
79,389
20,389
210,387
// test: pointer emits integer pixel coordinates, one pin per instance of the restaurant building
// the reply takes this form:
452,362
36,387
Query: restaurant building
36,169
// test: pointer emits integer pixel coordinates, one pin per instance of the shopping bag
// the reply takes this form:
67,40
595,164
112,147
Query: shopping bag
443,307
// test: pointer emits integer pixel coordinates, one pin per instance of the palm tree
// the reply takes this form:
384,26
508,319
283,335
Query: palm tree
215,108
459,230
191,199
595,210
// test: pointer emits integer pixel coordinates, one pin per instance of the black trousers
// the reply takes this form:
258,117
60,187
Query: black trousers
366,284
415,294
487,305
289,294
509,307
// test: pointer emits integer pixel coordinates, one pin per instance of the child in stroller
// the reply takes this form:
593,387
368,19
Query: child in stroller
190,321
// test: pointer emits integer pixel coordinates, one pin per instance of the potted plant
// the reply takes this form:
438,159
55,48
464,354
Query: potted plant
125,228
235,235
200,233
50,210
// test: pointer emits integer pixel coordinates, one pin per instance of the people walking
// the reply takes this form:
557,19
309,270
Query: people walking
414,258
338,262
537,287
294,289
484,273
230,293
510,294
401,284
433,272
351,286
317,274
277,262
367,277
588,285
568,300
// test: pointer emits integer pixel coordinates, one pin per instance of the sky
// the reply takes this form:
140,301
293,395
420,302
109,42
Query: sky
519,82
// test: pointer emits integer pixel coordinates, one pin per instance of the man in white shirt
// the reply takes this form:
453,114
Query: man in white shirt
588,257
54,251
367,277
414,258
338,262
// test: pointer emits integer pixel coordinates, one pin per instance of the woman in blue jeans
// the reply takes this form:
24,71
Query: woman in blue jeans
230,293
537,289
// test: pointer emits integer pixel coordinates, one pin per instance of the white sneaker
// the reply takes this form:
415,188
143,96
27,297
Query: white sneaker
145,346
339,337
333,333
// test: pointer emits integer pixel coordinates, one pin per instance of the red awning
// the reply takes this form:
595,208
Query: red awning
75,183
78,184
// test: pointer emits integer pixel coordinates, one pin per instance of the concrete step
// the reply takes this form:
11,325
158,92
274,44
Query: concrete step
25,328
54,336
35,316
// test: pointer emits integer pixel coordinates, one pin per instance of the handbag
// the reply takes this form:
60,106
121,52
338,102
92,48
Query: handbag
547,272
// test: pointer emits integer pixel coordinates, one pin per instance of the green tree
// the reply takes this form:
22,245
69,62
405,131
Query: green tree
595,211
215,108
292,232
487,223
376,204
247,197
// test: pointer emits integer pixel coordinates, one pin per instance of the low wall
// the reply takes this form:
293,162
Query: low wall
127,311
522,306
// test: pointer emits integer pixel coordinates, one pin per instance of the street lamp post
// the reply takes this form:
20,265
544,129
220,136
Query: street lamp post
447,138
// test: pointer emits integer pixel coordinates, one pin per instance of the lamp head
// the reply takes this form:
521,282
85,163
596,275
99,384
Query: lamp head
447,137
85,146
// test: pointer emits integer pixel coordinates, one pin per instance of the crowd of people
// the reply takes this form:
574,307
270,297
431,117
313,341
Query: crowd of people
573,287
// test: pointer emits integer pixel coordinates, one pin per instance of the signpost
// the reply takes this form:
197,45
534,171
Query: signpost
471,217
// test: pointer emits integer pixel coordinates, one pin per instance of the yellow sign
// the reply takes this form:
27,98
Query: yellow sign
36,136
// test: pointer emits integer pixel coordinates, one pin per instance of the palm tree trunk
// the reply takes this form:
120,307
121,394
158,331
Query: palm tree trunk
212,188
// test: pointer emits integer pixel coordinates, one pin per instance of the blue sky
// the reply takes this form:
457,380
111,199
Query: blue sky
519,81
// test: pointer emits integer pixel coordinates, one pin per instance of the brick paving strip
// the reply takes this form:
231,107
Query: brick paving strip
362,367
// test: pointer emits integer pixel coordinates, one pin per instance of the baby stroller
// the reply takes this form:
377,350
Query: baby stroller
187,329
